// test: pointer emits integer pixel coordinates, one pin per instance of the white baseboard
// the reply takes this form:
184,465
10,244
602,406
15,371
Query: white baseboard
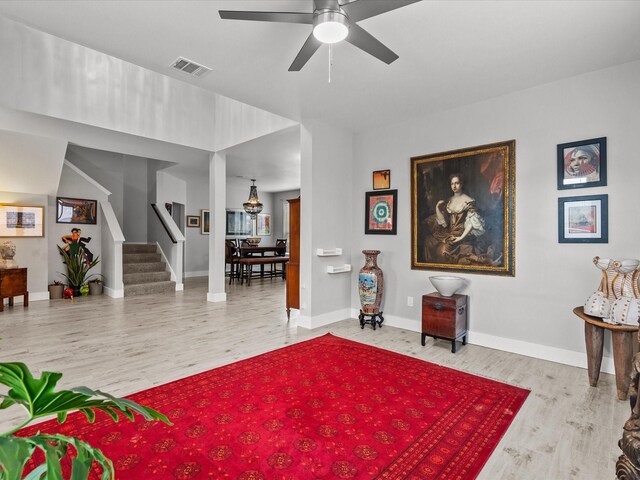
216,297
528,349
543,352
179,287
310,323
201,273
114,293
38,296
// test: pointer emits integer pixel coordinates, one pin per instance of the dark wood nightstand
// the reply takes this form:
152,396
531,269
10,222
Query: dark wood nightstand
13,283
444,317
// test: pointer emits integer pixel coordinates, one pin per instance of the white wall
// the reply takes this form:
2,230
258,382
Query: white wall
536,306
134,193
279,200
73,185
196,244
326,217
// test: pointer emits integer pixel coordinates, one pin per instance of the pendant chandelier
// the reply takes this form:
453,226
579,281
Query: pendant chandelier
253,205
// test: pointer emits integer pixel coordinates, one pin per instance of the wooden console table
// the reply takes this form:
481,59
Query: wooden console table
625,345
13,283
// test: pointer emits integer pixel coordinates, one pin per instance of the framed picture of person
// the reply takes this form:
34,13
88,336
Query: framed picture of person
582,164
583,219
381,214
463,210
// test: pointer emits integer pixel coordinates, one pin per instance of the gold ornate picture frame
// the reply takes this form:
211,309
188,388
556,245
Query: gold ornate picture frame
463,210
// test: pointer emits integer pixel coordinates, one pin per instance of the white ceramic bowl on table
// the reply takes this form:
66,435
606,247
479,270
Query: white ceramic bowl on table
447,285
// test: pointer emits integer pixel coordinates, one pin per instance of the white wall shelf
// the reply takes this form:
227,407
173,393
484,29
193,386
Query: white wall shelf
340,269
328,252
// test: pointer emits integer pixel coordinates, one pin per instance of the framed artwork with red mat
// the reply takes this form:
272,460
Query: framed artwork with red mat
312,410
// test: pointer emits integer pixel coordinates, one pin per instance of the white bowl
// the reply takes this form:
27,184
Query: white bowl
447,285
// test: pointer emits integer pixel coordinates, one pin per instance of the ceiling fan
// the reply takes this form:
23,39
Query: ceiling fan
333,21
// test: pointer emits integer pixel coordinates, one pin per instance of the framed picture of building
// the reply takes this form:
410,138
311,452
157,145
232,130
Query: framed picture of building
463,210
21,220
583,219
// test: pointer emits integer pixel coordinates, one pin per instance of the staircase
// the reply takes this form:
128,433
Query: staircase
144,271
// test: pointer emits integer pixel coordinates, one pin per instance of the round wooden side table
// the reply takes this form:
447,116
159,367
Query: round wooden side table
625,345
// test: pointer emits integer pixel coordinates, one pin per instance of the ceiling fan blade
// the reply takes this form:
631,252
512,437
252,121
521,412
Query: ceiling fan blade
308,49
362,39
285,17
361,9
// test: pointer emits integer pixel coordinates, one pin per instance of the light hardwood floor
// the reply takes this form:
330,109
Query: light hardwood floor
565,430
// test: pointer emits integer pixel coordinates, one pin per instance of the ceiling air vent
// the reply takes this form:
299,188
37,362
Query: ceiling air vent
189,67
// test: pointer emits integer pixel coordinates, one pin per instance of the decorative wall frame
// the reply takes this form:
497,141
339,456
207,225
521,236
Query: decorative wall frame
263,224
583,219
193,221
463,210
76,210
381,213
582,164
204,222
21,220
239,223
381,179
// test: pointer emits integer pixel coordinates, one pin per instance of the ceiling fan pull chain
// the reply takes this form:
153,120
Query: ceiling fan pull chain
330,60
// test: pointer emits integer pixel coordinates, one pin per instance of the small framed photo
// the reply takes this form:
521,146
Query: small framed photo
76,210
193,221
381,179
583,219
582,164
381,214
263,224
21,220
204,222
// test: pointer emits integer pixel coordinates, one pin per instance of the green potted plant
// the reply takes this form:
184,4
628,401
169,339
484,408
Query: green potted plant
77,268
38,398
55,290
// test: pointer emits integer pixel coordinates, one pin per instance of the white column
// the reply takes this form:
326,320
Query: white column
217,208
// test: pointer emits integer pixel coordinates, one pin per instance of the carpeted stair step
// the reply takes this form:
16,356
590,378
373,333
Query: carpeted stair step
139,248
140,258
145,277
149,288
143,267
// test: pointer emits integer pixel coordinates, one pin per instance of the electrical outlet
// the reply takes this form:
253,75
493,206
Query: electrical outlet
409,301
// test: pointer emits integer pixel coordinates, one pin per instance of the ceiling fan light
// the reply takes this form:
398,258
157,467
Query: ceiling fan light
331,27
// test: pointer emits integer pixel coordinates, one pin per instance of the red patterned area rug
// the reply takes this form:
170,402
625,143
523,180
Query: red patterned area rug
327,408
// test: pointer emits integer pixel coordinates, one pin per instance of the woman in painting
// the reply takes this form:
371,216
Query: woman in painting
582,162
454,229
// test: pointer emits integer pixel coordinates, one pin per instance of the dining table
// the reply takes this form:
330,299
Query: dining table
250,255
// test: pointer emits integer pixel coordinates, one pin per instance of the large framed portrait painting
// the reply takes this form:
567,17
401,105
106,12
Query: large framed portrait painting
463,210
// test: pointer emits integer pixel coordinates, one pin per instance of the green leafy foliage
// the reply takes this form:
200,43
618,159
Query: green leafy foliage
39,398
77,266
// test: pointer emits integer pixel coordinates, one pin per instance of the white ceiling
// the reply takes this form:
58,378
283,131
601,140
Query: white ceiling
451,52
